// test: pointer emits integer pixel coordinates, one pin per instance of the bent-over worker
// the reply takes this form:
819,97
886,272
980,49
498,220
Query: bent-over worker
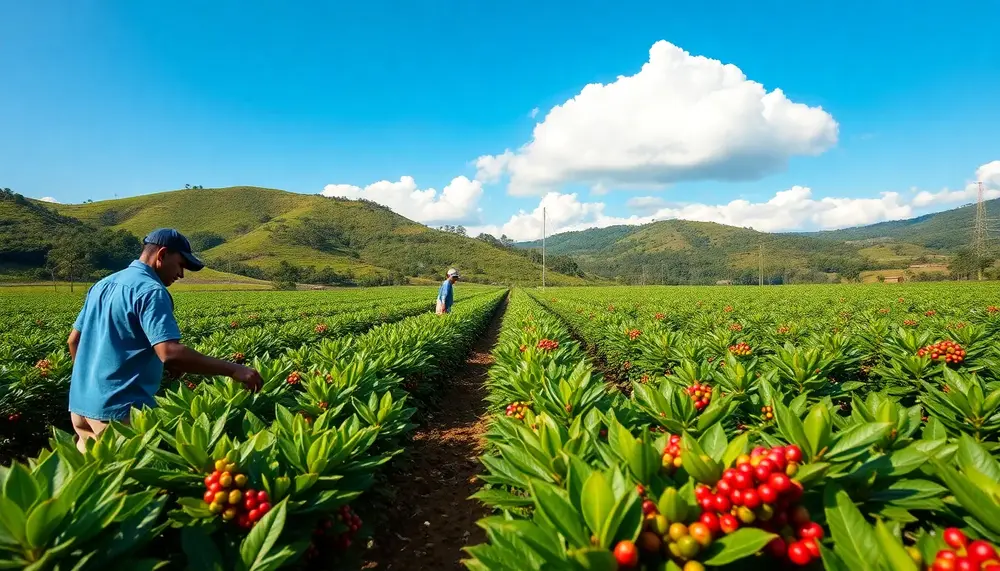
126,333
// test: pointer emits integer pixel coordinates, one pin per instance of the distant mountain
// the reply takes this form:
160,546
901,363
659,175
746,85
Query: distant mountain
252,230
945,231
682,251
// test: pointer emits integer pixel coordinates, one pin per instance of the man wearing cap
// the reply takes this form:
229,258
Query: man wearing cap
445,292
126,333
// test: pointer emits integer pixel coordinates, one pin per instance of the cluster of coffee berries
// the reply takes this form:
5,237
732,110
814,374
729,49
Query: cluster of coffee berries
767,412
759,492
44,366
237,357
234,324
517,409
611,307
343,528
294,378
671,459
976,555
701,394
740,349
735,327
662,539
13,417
633,334
783,329
992,309
910,322
948,351
321,328
728,309
659,316
930,313
227,494
547,345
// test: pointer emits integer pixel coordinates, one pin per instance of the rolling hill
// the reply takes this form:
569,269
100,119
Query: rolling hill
251,230
681,251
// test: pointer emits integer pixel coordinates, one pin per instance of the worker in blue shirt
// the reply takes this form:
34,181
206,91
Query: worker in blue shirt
126,334
446,292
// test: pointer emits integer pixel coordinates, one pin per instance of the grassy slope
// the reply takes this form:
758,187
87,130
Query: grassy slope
376,239
27,229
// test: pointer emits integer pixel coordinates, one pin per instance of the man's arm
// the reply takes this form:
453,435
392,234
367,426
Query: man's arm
183,359
74,343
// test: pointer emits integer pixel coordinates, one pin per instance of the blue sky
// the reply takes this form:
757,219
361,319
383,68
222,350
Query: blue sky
117,98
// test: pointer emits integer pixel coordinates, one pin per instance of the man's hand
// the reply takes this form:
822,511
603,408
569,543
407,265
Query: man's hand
249,377
180,359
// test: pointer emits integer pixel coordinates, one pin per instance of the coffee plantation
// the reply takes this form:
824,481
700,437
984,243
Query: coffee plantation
631,428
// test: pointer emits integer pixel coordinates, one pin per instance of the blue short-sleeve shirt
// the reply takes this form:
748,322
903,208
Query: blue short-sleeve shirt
446,294
116,368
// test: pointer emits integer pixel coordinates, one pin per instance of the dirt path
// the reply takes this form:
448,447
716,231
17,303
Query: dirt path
434,518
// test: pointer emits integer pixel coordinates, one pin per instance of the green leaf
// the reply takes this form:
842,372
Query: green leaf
43,521
856,543
791,428
262,537
744,542
202,554
811,472
892,549
818,427
20,486
856,440
972,454
737,447
597,501
12,522
595,559
831,561
713,441
977,503
551,502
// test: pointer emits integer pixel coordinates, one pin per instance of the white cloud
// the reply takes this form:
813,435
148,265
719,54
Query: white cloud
533,113
681,117
489,168
49,199
988,174
458,202
791,209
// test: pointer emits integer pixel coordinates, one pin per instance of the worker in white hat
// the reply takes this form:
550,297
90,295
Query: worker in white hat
445,292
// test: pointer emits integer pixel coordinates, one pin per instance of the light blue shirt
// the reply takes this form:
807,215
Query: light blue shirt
445,294
116,368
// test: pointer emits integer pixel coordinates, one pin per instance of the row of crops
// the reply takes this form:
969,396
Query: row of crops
35,365
216,477
745,428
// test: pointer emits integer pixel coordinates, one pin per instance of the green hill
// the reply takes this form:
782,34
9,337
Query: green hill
26,230
945,231
252,230
681,251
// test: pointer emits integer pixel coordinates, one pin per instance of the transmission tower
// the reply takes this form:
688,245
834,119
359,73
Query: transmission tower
980,234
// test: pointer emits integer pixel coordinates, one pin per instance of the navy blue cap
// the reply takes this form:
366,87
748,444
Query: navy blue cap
175,241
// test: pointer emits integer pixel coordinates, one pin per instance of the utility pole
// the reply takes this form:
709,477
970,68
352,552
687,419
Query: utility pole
760,261
979,235
543,247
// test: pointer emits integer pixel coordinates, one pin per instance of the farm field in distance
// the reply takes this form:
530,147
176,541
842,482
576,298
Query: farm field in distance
658,427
